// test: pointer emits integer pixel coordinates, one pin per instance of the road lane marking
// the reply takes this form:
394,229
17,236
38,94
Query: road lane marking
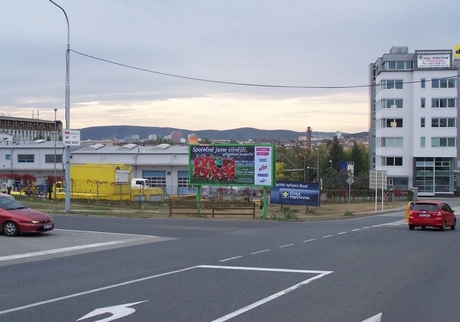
273,296
260,251
375,318
116,312
327,236
319,274
229,259
357,229
309,240
288,245
66,249
103,233
342,232
57,299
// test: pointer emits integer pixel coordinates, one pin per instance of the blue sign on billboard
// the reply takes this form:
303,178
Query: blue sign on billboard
295,193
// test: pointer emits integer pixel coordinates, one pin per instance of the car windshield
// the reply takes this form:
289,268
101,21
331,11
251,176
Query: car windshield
426,207
10,204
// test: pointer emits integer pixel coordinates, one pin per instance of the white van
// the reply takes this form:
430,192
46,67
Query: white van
139,183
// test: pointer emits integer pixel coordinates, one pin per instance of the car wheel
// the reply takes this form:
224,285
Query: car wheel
411,227
453,226
443,227
10,229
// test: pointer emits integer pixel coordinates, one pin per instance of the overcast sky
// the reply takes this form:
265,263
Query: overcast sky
328,43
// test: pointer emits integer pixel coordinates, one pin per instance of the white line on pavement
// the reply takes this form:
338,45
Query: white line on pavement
260,251
229,259
66,249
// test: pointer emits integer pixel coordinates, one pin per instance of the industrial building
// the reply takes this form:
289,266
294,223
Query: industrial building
163,165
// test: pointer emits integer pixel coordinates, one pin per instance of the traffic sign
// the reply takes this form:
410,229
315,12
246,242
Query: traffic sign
377,179
71,137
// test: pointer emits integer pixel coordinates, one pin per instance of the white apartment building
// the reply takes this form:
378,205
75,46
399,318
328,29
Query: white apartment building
414,115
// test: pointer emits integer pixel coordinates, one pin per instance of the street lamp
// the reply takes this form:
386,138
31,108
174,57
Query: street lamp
330,163
55,110
317,164
67,113
304,169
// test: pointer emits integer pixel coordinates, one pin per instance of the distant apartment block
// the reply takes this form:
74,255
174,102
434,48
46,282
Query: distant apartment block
176,136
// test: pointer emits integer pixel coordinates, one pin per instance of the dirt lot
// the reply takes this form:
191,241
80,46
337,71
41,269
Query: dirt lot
327,211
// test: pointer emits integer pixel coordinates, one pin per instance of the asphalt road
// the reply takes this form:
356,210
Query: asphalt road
116,269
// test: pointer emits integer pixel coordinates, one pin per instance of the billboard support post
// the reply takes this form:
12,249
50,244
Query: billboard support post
264,204
198,200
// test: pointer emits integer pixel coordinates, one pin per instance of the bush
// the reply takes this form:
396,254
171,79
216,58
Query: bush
286,215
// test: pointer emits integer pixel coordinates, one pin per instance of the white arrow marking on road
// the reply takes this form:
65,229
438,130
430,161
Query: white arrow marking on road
375,318
117,311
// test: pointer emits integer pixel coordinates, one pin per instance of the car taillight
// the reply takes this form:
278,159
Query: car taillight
439,214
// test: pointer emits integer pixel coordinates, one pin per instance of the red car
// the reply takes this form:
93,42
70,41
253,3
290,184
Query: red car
15,218
432,213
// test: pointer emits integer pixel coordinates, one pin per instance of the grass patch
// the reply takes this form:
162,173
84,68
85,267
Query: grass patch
134,209
286,214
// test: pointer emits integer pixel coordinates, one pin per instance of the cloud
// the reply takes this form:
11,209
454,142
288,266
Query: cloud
293,42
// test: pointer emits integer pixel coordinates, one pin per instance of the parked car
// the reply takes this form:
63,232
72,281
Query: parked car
433,214
15,218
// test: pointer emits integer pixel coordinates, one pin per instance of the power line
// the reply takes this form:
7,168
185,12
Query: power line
235,83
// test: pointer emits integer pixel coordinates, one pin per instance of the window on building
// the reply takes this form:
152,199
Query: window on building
442,142
392,161
422,102
49,158
423,83
399,65
443,83
392,123
392,103
422,122
392,142
182,180
155,178
26,158
442,122
443,102
392,84
7,157
422,142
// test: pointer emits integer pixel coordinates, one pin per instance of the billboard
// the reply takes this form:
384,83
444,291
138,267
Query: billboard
457,51
232,165
295,193
433,59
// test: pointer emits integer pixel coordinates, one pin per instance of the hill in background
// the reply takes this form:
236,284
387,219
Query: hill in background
240,134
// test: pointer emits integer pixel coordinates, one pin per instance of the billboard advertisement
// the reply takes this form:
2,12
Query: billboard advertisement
232,165
295,193
433,60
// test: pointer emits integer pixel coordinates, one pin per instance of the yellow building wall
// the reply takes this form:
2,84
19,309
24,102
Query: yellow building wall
98,179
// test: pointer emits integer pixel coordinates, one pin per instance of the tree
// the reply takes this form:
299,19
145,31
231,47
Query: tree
336,154
280,171
359,156
205,141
